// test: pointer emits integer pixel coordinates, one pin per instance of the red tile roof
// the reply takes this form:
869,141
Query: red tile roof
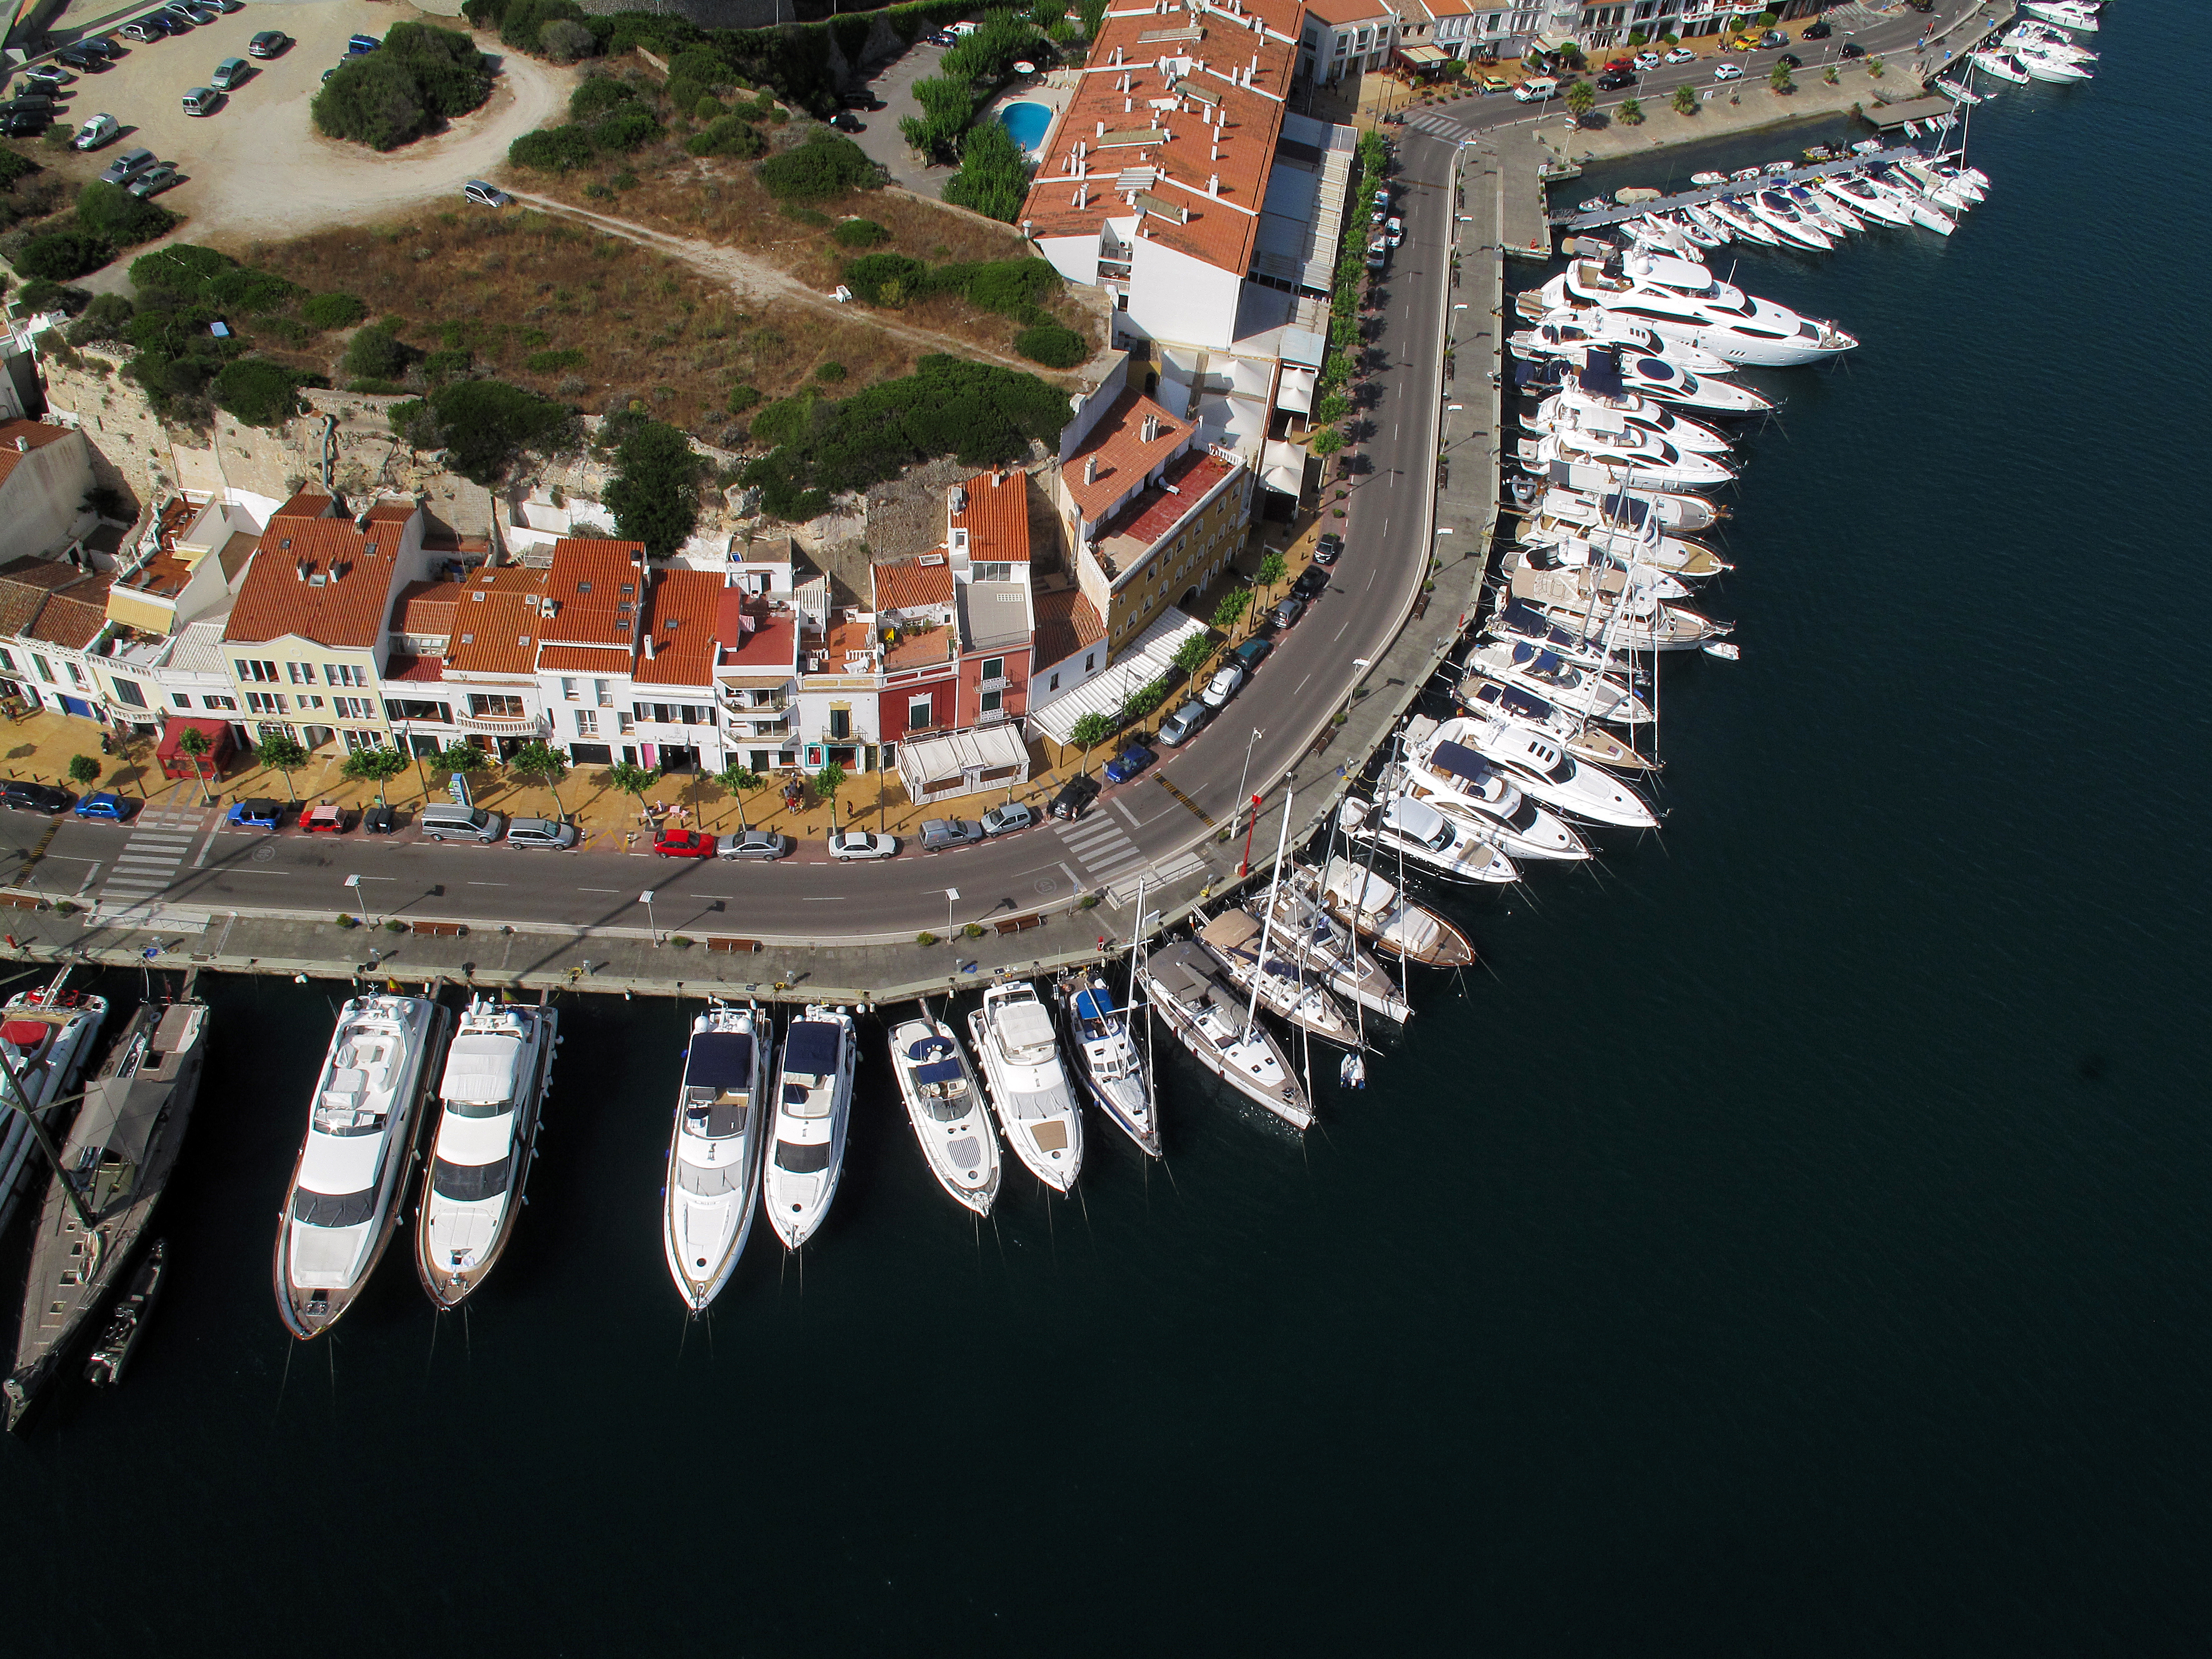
583,659
414,671
1118,444
35,434
586,583
73,618
910,585
425,608
1066,623
680,621
494,633
1221,227
306,503
283,596
996,516
1156,512
392,512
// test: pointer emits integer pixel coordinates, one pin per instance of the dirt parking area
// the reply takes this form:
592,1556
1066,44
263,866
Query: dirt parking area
257,169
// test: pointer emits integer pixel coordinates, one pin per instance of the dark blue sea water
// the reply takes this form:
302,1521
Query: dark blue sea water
1795,1241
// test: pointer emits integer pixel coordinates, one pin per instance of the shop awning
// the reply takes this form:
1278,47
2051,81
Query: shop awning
1420,56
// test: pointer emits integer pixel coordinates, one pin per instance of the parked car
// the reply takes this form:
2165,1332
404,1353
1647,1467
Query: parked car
41,103
752,844
1681,55
1179,727
845,121
22,795
484,193
1075,796
361,45
268,43
202,100
201,12
379,821
1228,680
155,179
683,844
144,30
1850,49
1614,80
175,19
1328,548
1772,39
48,74
95,132
1727,72
846,844
1130,762
1496,83
324,820
24,123
1791,59
938,833
258,813
867,101
83,59
229,73
102,45
1252,652
1536,88
1311,582
540,832
1004,820
1816,30
105,805
1645,62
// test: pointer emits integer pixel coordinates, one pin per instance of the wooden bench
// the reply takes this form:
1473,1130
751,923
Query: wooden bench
439,929
21,901
1019,925
735,946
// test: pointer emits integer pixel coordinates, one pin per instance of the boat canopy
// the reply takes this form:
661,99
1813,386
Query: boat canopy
811,1046
1094,1002
923,1049
480,1070
1460,761
1414,818
1229,931
1362,889
942,1072
1600,375
719,1060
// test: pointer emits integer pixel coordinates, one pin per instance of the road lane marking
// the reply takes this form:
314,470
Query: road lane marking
827,898
1185,799
1123,807
598,889
490,884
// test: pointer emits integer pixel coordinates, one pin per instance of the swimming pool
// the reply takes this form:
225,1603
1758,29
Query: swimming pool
1029,123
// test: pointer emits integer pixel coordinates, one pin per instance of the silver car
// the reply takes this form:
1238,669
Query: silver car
752,844
1004,820
540,832
1180,726
859,844
938,833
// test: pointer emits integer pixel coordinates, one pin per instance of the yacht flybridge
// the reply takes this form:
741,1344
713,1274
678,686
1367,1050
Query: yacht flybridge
1603,460
813,1107
1570,331
1680,300
1029,1088
1425,836
946,1108
1460,783
499,1068
350,1177
47,1036
1517,705
715,1149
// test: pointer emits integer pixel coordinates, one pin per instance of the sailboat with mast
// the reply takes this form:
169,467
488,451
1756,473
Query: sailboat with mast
1110,1063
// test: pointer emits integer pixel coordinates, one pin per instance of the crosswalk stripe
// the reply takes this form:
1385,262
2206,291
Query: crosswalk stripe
152,860
1107,867
1097,832
160,838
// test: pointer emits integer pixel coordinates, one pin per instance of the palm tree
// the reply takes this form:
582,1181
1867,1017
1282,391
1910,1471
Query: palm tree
1685,101
1271,568
735,779
283,756
1581,99
540,763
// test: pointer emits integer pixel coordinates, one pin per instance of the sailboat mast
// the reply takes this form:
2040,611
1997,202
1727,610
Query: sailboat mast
1267,920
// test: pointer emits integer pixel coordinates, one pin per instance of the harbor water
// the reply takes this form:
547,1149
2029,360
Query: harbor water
1794,1237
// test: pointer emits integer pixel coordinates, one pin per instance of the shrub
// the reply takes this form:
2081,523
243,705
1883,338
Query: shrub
481,425
743,398
708,108
993,176
13,166
111,212
654,492
552,362
105,319
627,129
597,95
376,354
328,310
972,930
859,233
925,938
827,164
417,79
552,149
1051,344
727,135
806,216
682,93
60,254
43,295
563,40
830,373
698,64
520,22
440,367
258,391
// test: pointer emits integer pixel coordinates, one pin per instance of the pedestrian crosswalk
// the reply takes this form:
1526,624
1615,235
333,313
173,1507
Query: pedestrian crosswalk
160,841
1098,846
1437,122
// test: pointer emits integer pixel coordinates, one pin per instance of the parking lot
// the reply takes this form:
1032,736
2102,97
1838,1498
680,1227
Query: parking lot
256,168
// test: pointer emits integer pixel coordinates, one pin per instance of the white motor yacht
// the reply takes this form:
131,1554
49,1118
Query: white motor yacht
1235,941
2041,37
813,1109
2050,67
499,1069
1656,378
1427,837
1107,1062
48,1035
1630,507
350,1177
2002,64
1918,208
2067,14
1455,780
1602,460
1487,699
1547,771
1780,213
1718,228
1629,611
1374,908
947,1110
1691,560
715,1149
1570,331
1029,1088
1934,174
1823,209
1580,692
1731,211
1853,191
1683,301
1207,1016
1591,405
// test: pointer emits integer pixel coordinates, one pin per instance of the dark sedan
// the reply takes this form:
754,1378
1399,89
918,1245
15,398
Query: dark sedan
22,795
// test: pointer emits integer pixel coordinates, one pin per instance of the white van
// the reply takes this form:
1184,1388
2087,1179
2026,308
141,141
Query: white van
1536,90
447,822
202,100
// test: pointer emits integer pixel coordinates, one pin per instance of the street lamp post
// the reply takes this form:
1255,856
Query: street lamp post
652,927
951,897
353,882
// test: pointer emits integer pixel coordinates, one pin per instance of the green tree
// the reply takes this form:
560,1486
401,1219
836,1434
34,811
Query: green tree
1326,441
634,779
1582,98
1685,101
654,493
193,744
1272,567
377,766
1089,732
259,391
1632,112
459,759
113,212
735,780
82,769
1191,655
995,174
1230,611
827,781
283,756
1779,80
540,763
482,425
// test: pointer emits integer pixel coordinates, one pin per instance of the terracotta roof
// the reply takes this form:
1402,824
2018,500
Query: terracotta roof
425,608
48,576
910,585
392,512
680,621
35,433
1341,13
996,517
772,643
414,671
73,618
585,583
306,503
1155,511
1123,456
583,659
493,632
283,596
1066,623
920,651
1220,228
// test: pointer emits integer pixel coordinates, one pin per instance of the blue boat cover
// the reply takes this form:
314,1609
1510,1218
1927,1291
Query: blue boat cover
720,1060
927,1048
1601,373
1093,1003
938,1071
811,1046
1460,761
1623,508
1658,370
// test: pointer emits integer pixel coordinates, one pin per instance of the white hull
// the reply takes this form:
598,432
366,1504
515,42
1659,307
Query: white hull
50,1063
498,1071
945,1105
1187,993
1101,1035
1013,1037
813,1110
712,1183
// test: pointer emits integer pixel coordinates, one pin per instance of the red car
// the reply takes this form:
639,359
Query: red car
330,819
683,844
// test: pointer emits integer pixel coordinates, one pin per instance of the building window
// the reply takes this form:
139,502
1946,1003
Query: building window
76,674
45,669
264,672
264,703
601,695
841,724
339,674
310,703
588,722
357,741
1089,661
300,673
568,689
354,708
226,705
495,706
127,691
7,662
626,726
181,700
994,668
991,702
919,712
1054,686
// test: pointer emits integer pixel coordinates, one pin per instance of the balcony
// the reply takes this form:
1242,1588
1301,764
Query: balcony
529,726
997,683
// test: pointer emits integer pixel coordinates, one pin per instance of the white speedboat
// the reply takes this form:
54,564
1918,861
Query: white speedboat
1712,224
715,1149
1683,301
1547,771
1235,939
1781,215
1854,192
1427,837
499,1068
1327,950
1374,909
813,1109
48,1035
1488,700
1107,1062
2002,64
1603,460
2041,37
1731,211
1029,1088
1917,207
1690,560
2067,14
1455,780
1592,406
2050,67
1207,1016
1823,209
1570,331
1671,511
946,1106
1656,378
1580,691
1934,174
350,1177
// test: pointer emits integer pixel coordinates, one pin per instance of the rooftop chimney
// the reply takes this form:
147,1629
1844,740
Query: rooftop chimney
1090,470
957,501
22,445
1151,428
648,647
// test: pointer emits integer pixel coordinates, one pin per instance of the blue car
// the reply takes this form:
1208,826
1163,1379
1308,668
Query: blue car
255,815
361,45
104,806
1130,762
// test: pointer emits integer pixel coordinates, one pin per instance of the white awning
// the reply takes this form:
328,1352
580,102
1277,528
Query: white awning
962,762
1151,656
